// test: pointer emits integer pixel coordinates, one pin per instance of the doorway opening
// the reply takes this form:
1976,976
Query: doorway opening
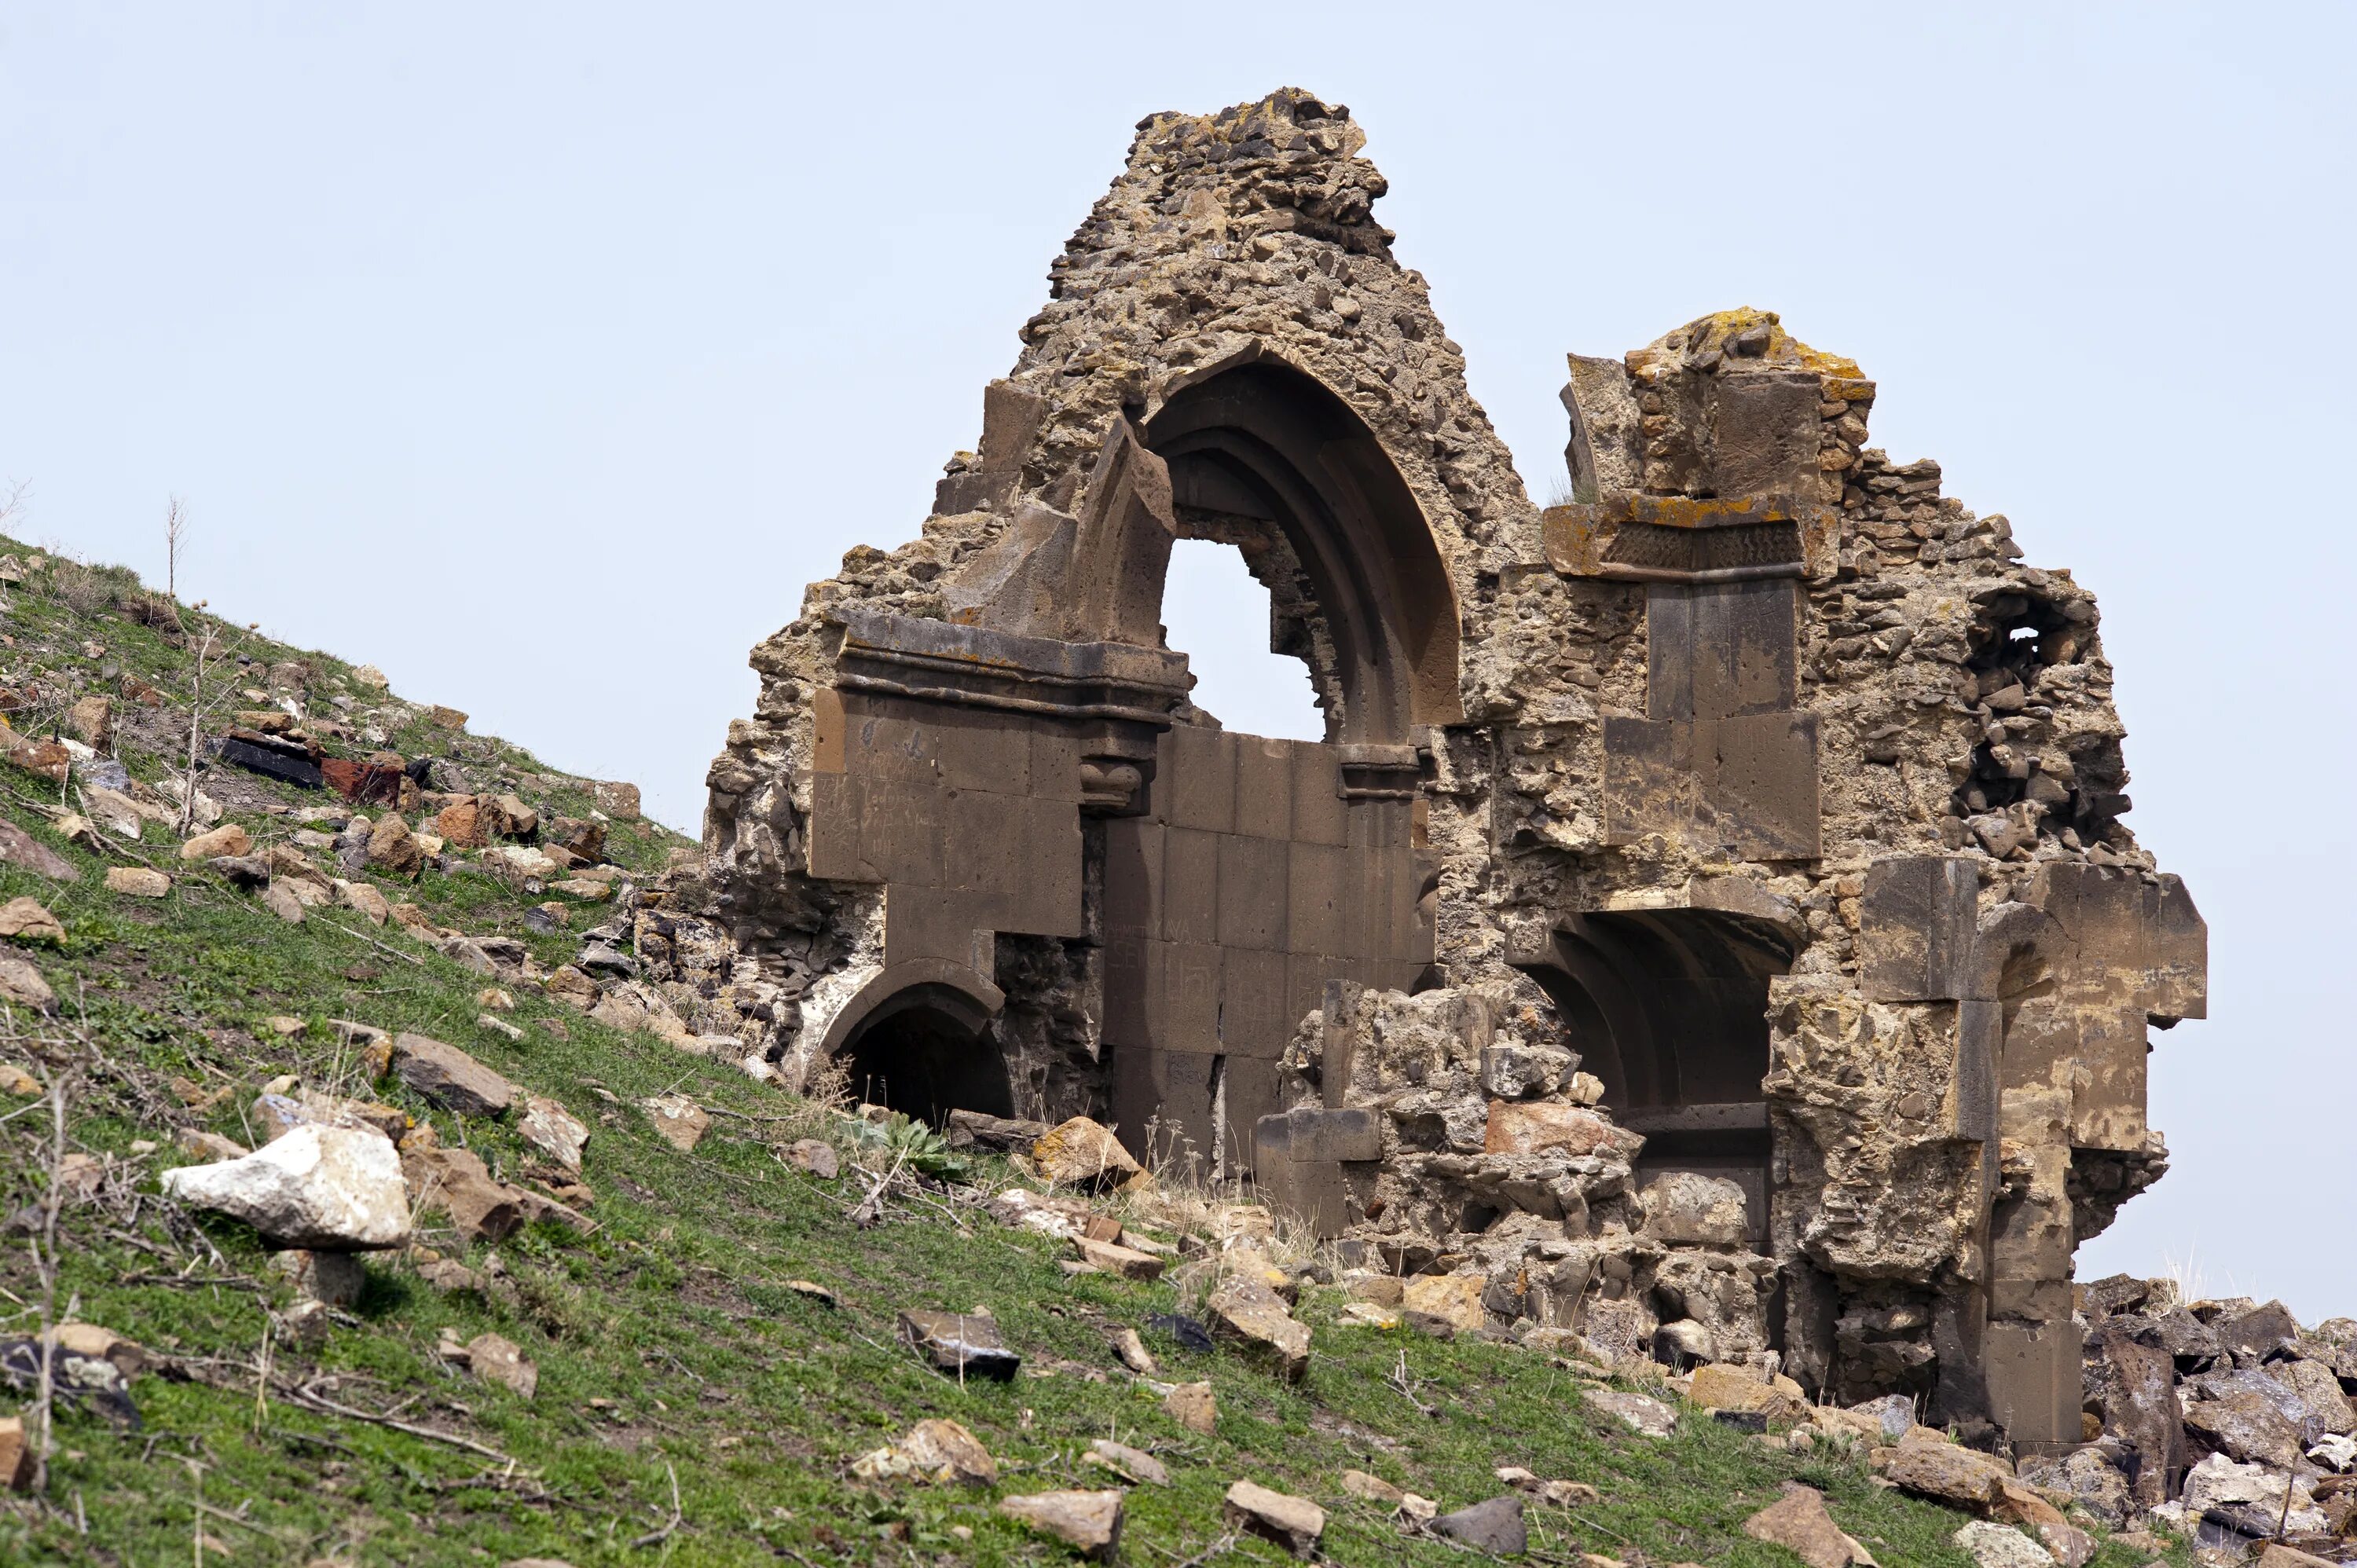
925,1055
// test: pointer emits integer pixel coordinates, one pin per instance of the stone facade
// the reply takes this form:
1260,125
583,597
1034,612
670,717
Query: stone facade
1709,918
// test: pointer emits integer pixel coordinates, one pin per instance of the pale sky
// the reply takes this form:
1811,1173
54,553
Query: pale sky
540,354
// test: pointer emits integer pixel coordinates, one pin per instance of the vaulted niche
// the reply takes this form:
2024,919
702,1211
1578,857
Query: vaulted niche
1267,458
925,1051
1669,1008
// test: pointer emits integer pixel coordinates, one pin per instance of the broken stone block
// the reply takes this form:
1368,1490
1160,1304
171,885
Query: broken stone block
2248,1426
1193,1406
1516,1072
1244,1309
20,848
22,985
1494,1526
1687,1207
448,1077
1131,1463
1646,1417
137,881
1294,1523
1542,1127
941,1451
681,1121
331,1189
1935,1468
554,1131
964,1344
25,920
1799,1524
228,839
1081,1152
16,1455
1089,1522
1449,1301
2000,1546
1114,1259
393,849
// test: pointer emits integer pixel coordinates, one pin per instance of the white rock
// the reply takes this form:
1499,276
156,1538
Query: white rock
338,1188
2001,1546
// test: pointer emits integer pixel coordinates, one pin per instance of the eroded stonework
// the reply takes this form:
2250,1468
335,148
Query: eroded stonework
1708,920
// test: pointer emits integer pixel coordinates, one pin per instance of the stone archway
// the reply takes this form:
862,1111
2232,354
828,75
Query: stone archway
1669,1008
1255,444
1255,870
919,1039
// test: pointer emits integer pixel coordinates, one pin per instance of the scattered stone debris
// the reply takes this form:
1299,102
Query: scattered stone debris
680,1121
938,1451
1245,1309
25,920
331,1189
1799,1524
2001,1546
1131,1465
961,1344
554,1131
137,882
1647,1417
1194,1407
23,985
1082,1153
1494,1526
446,1077
1089,1522
1294,1523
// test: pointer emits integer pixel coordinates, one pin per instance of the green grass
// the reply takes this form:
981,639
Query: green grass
676,1316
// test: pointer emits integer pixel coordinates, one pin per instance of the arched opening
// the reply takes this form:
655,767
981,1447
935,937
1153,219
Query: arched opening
924,1055
1268,459
1669,1008
1234,637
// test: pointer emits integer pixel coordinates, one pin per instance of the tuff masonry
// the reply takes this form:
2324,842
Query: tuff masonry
1707,925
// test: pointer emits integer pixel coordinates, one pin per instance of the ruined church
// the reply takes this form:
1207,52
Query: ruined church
1708,920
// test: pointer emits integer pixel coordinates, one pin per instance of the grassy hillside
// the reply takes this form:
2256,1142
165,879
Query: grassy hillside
675,1344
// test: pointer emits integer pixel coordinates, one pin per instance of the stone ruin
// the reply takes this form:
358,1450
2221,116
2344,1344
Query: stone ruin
1708,917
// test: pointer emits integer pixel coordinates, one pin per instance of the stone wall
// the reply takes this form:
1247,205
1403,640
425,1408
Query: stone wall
1737,937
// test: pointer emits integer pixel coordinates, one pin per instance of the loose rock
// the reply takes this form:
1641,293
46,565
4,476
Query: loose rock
1130,1464
27,921
814,1157
554,1131
1192,1406
1494,1526
2001,1546
1088,1521
1245,1310
1800,1524
449,1078
1294,1523
21,984
500,1361
1081,1152
137,882
937,1450
1647,1417
228,839
338,1188
679,1119
964,1345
